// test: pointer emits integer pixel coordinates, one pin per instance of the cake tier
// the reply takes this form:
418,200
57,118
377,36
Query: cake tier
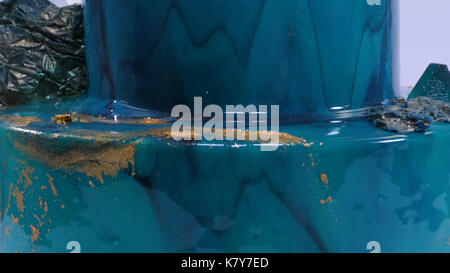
115,187
306,56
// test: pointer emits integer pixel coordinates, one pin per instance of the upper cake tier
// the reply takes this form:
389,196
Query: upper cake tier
308,56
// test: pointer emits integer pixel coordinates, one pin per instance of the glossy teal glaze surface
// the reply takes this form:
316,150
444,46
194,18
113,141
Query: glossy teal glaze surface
117,187
308,56
202,197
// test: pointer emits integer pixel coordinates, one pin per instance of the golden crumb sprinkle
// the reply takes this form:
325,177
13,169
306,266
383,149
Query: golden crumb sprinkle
34,233
324,178
328,200
63,119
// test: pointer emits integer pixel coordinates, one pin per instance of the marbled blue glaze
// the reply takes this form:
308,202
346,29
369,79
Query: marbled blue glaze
305,55
185,197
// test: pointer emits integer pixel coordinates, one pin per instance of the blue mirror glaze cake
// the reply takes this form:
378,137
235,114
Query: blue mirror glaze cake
306,56
73,177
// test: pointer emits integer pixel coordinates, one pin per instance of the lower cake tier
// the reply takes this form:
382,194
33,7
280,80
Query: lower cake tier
308,57
126,187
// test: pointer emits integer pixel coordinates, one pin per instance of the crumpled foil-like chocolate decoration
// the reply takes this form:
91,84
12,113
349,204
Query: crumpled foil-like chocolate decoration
42,52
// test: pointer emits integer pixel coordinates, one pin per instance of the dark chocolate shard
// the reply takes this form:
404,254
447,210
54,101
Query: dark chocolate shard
42,52
434,83
414,115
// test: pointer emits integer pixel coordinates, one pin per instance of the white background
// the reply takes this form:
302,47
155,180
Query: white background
424,37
